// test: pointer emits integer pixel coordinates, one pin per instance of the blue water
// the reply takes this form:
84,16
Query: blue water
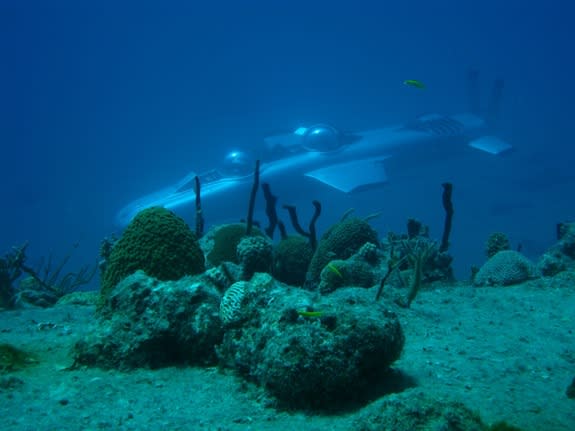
99,105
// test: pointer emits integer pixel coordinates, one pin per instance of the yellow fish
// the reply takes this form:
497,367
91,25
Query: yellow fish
334,269
414,83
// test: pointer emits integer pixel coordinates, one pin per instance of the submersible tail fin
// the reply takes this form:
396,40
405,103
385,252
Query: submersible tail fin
473,91
492,114
488,143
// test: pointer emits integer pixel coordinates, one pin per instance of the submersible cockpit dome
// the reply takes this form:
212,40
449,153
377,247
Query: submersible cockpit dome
322,137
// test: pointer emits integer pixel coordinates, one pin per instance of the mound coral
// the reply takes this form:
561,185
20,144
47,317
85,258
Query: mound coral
505,268
341,241
157,242
292,256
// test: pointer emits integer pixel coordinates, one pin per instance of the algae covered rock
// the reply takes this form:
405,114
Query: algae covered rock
157,242
309,351
561,256
414,411
505,268
79,298
149,323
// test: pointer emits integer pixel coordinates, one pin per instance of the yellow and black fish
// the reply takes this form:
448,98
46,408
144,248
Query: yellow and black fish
414,83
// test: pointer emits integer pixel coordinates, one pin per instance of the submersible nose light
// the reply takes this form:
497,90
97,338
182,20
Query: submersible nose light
238,163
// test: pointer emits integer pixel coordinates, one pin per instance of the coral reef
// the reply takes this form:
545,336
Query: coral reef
505,268
306,351
157,242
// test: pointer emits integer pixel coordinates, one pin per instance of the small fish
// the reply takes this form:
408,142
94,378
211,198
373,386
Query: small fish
414,83
305,313
334,269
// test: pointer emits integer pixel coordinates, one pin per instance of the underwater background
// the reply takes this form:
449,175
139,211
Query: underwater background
102,104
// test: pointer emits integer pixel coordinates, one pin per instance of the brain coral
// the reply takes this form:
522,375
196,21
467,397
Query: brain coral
157,242
505,268
341,241
231,303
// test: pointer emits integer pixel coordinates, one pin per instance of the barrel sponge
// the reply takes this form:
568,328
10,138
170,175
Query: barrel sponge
157,242
505,268
341,241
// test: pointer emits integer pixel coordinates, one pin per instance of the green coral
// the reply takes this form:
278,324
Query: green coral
351,272
341,241
292,256
226,240
157,242
12,358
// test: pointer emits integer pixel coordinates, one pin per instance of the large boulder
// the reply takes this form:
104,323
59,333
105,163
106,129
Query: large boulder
148,323
412,410
308,351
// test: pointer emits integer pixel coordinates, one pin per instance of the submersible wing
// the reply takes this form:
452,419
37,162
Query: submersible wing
342,160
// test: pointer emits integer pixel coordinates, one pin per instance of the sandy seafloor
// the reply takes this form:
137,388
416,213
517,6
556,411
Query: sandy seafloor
506,352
